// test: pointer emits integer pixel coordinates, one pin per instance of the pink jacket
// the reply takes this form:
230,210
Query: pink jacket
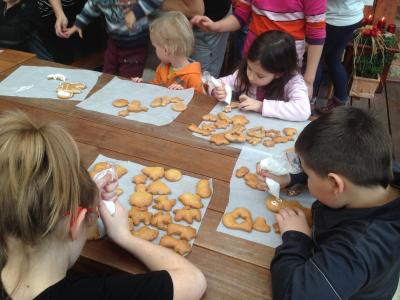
294,107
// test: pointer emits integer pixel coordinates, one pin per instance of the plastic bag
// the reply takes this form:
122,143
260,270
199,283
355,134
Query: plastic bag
277,164
212,82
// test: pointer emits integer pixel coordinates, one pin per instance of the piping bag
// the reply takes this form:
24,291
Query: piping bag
212,83
279,164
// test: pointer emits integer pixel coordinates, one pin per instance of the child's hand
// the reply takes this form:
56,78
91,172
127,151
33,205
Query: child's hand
204,23
117,225
70,31
283,180
107,188
247,103
137,79
176,86
219,93
130,19
293,219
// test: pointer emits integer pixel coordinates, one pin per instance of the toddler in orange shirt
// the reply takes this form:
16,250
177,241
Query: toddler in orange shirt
172,37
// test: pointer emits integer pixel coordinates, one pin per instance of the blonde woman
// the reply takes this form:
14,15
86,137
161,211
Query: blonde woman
47,201
172,37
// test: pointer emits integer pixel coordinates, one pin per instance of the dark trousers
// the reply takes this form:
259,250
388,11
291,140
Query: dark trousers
337,38
126,62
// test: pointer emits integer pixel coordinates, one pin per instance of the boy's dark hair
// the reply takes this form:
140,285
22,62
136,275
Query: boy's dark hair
276,52
350,142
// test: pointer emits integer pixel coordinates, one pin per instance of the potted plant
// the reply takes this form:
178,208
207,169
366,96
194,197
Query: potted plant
371,54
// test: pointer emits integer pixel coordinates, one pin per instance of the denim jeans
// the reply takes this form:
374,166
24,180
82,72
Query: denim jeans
337,38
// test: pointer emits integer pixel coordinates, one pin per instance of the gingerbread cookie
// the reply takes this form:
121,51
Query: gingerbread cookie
136,107
140,187
179,106
239,120
141,199
163,203
139,179
146,233
289,131
230,219
260,224
173,175
184,232
194,128
161,220
180,246
253,140
242,171
191,200
210,118
120,102
187,214
203,188
158,188
275,205
219,139
65,88
258,132
154,172
234,137
139,215
123,113
120,170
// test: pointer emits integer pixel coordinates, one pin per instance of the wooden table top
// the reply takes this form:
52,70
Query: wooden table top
10,58
234,268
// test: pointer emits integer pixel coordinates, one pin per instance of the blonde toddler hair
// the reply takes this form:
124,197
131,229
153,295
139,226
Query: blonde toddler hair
173,30
42,181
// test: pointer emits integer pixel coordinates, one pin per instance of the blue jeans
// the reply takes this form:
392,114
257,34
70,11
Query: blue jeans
337,38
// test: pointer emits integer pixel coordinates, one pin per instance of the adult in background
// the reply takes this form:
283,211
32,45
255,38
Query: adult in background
57,16
18,21
209,47
342,18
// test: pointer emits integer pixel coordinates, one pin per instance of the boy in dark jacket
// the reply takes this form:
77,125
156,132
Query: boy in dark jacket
353,248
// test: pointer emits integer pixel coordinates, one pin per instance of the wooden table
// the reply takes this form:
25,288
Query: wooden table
10,58
234,268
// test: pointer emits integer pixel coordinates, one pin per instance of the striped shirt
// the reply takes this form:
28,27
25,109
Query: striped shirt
46,9
302,19
115,20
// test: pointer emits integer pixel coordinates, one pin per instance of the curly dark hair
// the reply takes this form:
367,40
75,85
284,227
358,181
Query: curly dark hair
276,52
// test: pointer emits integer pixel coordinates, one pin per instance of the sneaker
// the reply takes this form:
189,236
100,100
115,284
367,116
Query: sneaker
331,104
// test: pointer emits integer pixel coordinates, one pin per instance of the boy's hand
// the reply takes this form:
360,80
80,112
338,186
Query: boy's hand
204,23
70,31
176,86
283,180
219,93
137,79
293,219
117,225
130,19
249,104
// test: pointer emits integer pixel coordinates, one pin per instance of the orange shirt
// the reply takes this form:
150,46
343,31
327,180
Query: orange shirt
189,76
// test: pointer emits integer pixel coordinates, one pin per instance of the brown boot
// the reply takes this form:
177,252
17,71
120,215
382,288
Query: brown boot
331,104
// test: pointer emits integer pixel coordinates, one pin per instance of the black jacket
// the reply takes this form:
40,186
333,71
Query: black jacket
17,24
353,254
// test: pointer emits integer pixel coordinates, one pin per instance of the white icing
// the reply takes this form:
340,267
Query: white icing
64,94
56,76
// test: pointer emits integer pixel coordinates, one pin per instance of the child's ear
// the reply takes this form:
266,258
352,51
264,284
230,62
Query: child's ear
337,183
77,225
